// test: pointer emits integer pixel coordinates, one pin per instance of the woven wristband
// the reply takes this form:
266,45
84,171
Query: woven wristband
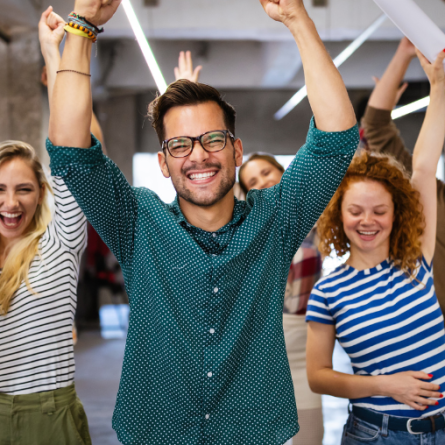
82,22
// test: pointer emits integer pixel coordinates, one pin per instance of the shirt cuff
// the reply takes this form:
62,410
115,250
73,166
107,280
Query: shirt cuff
325,143
375,116
63,157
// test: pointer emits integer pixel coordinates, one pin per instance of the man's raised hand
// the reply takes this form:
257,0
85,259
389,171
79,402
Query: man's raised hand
98,12
285,11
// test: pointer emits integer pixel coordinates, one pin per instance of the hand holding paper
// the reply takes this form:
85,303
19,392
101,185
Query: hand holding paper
416,25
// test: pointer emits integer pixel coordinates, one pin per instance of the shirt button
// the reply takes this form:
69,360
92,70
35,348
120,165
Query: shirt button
209,374
215,290
214,235
212,331
207,416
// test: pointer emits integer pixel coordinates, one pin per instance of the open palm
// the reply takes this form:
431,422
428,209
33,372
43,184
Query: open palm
97,12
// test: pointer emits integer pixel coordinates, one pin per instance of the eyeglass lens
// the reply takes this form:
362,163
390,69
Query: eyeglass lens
182,146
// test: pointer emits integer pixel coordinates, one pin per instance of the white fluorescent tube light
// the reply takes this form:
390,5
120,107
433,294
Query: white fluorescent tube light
410,108
339,60
145,47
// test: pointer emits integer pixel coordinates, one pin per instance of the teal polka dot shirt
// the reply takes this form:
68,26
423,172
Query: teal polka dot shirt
205,360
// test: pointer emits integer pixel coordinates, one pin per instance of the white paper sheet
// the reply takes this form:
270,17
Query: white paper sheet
416,25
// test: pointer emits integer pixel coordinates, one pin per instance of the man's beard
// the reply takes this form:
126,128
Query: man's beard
226,184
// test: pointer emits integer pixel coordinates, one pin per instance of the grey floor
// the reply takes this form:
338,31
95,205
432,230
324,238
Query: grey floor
98,370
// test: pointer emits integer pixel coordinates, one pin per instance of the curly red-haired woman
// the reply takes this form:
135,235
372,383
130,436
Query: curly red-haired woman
381,304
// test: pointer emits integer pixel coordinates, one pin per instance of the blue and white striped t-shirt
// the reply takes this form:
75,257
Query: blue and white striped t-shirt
386,323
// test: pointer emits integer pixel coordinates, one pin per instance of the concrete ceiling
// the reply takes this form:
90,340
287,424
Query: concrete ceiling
225,20
237,44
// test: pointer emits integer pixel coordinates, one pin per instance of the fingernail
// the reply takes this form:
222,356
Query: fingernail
437,403
441,396
431,375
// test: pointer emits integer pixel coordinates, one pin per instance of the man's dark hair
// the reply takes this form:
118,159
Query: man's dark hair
183,93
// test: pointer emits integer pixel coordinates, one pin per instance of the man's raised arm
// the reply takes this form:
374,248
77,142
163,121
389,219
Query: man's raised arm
71,104
327,93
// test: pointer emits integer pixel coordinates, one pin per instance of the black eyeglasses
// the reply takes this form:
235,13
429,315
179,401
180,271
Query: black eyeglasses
212,141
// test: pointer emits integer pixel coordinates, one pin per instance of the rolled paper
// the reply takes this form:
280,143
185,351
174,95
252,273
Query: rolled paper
416,25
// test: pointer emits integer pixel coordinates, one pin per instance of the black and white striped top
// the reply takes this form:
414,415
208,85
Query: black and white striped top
36,340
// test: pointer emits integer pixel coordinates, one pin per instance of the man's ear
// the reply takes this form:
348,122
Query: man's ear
238,147
163,164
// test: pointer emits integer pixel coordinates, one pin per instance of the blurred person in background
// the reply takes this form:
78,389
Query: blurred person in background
263,171
383,136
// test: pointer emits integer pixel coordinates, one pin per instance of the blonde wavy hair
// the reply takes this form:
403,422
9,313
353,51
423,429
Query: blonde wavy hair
409,222
18,261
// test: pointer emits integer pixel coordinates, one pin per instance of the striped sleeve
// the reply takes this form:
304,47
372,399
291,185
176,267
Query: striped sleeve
318,308
69,220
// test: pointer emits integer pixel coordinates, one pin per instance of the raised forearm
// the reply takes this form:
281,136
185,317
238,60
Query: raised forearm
430,141
327,93
71,103
52,63
385,92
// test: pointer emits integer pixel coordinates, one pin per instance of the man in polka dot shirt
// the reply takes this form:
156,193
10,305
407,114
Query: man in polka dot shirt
205,360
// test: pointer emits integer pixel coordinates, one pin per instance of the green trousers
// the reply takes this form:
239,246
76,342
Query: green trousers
44,418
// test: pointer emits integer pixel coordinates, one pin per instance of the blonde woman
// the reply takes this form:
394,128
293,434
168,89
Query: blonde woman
39,261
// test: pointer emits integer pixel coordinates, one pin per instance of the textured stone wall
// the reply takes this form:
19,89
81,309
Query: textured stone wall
21,104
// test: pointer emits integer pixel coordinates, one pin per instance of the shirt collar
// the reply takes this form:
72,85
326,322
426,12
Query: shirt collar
238,213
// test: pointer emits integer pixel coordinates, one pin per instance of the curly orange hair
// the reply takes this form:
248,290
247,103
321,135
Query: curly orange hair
409,222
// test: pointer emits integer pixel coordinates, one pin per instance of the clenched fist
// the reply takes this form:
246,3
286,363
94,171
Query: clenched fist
285,11
97,12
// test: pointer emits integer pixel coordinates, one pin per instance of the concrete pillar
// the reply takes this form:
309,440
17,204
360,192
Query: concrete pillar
4,83
25,90
21,91
117,117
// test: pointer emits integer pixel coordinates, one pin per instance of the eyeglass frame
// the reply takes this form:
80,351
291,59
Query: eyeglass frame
198,138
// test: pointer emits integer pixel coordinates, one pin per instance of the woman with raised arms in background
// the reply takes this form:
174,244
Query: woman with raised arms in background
262,171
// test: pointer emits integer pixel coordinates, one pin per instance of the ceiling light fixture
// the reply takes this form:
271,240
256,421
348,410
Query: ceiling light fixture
145,47
339,60
410,108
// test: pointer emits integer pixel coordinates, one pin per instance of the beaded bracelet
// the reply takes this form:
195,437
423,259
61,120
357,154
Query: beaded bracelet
80,30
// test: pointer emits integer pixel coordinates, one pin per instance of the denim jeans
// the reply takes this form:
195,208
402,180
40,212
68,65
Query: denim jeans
357,432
